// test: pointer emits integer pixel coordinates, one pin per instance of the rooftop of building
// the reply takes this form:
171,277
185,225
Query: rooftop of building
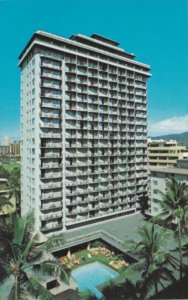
169,170
94,42
183,160
124,228
95,37
3,180
115,227
162,142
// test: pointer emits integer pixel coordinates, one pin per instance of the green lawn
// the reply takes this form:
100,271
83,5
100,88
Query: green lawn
10,167
84,259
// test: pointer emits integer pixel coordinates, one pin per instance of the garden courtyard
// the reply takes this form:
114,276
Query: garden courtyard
97,251
123,229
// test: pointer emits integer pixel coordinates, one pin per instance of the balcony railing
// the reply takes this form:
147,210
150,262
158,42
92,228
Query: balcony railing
51,216
51,166
57,205
51,185
50,105
51,196
52,145
51,175
51,65
50,135
51,226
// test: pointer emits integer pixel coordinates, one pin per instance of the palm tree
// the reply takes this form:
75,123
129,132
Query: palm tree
154,262
4,203
24,258
126,290
14,186
3,173
87,295
174,209
13,190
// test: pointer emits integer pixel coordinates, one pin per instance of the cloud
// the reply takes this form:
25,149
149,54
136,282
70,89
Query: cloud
168,126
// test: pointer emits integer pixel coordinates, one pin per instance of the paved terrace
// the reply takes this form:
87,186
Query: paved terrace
123,228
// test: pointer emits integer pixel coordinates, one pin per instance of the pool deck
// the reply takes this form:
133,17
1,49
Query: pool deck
119,231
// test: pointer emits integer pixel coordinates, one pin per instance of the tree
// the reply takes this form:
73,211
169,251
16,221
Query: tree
122,291
4,203
14,187
154,262
23,257
3,173
87,295
4,159
174,209
144,205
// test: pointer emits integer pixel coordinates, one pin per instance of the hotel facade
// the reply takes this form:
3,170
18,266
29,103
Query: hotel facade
84,131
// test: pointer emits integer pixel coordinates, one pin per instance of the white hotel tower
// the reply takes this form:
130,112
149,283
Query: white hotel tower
84,130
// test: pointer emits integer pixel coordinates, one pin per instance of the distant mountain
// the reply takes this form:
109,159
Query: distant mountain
181,138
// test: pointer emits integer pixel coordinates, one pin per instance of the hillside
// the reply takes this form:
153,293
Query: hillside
181,138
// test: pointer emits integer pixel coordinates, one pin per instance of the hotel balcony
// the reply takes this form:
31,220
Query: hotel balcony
50,135
51,195
49,216
72,212
51,65
51,226
50,105
50,155
82,210
51,85
51,145
70,202
45,94
50,185
50,75
140,107
54,206
51,175
50,115
81,70
51,166
49,125
137,100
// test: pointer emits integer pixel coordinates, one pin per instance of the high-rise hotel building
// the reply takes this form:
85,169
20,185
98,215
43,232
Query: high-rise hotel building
84,130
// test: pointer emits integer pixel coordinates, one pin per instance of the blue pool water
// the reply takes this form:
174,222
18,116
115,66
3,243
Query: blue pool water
89,276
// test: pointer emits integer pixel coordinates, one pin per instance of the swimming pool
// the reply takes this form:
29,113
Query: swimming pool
89,276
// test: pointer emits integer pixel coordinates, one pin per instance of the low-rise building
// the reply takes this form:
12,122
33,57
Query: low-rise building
165,153
12,148
158,181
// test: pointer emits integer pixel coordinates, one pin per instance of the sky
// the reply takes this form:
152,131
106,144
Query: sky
156,31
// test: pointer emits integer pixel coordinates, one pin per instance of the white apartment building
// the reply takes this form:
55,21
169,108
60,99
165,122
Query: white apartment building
84,130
